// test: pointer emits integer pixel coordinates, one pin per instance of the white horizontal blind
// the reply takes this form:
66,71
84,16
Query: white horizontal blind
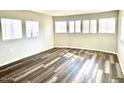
107,25
93,26
11,29
86,26
61,27
78,26
71,26
32,29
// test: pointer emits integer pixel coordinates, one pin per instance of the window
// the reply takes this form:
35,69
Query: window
93,26
107,25
71,26
77,26
61,27
11,29
86,26
122,29
32,29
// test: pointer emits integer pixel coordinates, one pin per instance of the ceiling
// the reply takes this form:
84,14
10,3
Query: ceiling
68,12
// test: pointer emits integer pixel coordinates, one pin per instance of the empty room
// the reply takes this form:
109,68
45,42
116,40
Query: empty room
61,46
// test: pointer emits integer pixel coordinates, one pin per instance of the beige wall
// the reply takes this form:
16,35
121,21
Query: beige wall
104,42
120,43
13,50
89,41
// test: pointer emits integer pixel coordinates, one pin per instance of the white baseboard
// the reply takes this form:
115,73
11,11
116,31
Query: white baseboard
120,63
87,49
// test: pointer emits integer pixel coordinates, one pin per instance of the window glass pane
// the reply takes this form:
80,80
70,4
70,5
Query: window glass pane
11,29
71,26
86,26
93,26
17,26
32,29
61,27
107,25
78,26
122,29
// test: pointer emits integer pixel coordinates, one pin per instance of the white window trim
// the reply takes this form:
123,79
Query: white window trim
31,35
64,28
106,32
12,37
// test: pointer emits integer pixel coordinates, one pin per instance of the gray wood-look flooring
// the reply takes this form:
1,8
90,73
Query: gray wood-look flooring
64,65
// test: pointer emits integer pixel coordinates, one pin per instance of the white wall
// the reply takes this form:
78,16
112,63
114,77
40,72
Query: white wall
102,42
120,43
17,49
13,50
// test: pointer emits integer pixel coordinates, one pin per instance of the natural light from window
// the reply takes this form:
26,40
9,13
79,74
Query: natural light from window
11,29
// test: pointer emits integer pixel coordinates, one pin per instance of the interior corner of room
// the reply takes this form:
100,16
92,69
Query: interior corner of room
48,37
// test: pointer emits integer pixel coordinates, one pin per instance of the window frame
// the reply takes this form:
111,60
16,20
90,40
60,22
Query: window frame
32,32
66,24
96,26
12,28
68,30
88,26
113,28
80,28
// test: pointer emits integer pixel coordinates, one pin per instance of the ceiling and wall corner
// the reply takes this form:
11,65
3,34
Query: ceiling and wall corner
68,12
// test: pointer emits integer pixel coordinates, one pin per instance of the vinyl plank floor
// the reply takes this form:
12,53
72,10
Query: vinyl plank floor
64,65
